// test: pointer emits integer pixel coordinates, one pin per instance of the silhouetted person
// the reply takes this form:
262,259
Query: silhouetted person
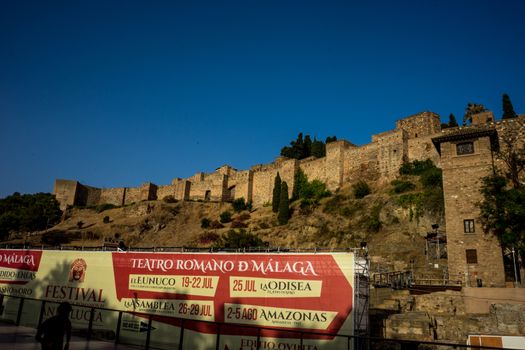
51,332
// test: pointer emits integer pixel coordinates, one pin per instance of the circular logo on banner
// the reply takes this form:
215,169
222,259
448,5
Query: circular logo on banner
77,271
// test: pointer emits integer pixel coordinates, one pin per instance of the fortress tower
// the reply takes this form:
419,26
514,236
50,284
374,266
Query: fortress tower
474,257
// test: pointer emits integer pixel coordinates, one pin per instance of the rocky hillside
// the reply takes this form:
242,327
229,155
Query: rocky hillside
393,227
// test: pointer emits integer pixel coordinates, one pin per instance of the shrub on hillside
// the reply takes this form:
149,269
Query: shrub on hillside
307,205
400,186
417,167
225,217
371,222
434,201
431,199
349,210
315,189
264,225
240,204
412,202
361,189
333,204
303,189
205,223
433,177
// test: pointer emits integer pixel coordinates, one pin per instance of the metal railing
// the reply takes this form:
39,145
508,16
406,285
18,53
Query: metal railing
259,332
183,249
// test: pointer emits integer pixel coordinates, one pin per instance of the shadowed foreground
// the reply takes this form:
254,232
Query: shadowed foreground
23,338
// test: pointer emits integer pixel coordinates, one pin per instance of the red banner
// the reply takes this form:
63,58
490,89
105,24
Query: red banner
292,294
18,266
290,291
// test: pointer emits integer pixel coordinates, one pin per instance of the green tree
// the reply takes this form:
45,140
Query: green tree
472,108
300,182
307,147
431,199
304,147
28,212
508,109
314,190
512,153
417,167
452,121
276,193
318,148
284,205
502,211
296,149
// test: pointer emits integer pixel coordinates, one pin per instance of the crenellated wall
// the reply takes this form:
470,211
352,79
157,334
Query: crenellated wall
420,125
344,163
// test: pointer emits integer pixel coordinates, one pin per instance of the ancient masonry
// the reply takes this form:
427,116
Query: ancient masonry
464,153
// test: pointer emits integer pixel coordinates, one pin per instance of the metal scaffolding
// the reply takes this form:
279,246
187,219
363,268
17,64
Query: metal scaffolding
361,299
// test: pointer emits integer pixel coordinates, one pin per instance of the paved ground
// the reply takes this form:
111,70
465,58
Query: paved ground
23,338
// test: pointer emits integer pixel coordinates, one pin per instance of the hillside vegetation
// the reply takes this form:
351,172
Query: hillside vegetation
392,219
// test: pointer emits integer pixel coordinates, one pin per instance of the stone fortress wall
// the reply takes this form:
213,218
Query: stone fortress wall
344,163
473,255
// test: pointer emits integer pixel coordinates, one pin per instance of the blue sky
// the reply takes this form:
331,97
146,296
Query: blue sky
118,93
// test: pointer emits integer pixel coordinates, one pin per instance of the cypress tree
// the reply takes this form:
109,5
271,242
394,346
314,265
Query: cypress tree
452,121
298,147
300,182
276,193
284,208
307,147
508,109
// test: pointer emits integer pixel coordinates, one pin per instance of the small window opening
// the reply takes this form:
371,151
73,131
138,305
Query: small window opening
472,256
468,226
465,148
